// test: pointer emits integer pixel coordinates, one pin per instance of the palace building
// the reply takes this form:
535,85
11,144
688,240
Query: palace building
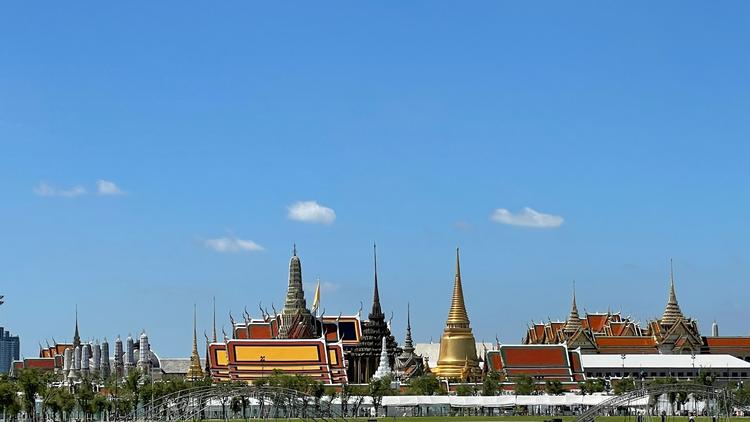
611,333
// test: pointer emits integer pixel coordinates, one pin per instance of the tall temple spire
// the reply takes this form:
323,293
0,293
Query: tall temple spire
672,312
458,349
574,320
364,357
295,306
195,371
214,320
76,336
377,311
408,343
457,316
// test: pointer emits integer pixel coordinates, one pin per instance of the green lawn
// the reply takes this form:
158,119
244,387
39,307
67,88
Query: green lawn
543,418
511,419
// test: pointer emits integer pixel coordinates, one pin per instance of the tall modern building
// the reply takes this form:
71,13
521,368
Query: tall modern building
10,350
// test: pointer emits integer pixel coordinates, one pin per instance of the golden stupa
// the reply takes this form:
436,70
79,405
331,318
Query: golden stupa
458,349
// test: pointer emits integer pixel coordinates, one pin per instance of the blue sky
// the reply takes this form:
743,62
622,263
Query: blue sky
624,124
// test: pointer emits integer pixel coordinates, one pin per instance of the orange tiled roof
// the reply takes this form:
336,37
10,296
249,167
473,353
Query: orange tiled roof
727,341
617,328
539,330
596,321
609,341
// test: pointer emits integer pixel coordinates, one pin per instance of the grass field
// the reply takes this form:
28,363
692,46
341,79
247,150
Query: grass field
512,419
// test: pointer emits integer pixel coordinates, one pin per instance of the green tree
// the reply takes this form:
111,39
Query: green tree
344,394
623,385
132,387
465,390
424,385
67,402
84,396
8,396
379,388
524,385
50,402
705,377
31,383
591,386
491,384
331,393
359,392
554,387
238,405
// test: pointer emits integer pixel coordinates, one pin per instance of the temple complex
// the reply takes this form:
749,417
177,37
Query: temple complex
79,359
611,333
458,354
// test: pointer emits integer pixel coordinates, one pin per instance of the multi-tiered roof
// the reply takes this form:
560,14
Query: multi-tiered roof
365,356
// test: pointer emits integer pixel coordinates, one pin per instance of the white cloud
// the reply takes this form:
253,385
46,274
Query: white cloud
527,217
327,286
232,244
105,187
462,225
311,212
44,189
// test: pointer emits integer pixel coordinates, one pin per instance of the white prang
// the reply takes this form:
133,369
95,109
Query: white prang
384,368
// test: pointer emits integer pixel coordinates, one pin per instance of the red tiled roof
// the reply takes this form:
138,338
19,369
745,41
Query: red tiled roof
533,356
40,363
539,330
596,321
728,341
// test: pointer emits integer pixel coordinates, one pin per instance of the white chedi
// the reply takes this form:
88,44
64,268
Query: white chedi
384,368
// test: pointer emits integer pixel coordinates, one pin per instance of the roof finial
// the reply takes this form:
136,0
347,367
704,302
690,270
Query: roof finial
214,321
458,265
376,309
294,249
76,335
408,343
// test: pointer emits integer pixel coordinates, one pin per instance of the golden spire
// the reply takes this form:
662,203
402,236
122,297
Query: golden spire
574,320
457,316
672,312
194,372
458,349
